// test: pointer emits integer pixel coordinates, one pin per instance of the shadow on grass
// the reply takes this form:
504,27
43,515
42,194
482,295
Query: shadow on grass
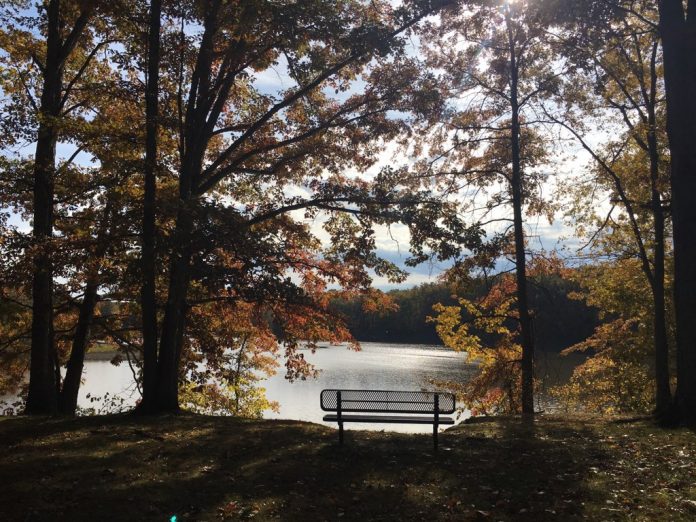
205,468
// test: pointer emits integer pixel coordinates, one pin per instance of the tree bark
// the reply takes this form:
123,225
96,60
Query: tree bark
166,398
679,50
73,374
148,256
43,395
516,183
663,393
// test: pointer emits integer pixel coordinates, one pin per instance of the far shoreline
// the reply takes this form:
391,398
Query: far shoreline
107,355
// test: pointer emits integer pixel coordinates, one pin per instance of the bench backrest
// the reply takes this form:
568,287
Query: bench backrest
387,401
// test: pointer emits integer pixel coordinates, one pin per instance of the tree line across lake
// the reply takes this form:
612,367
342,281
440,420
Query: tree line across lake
195,181
559,322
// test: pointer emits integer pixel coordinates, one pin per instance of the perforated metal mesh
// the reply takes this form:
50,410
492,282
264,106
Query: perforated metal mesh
387,401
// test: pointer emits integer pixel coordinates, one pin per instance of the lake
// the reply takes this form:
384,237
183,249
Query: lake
376,366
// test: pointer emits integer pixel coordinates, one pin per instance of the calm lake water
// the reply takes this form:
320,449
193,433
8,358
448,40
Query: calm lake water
376,366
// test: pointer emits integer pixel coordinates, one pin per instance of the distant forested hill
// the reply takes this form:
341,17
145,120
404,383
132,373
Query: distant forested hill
559,320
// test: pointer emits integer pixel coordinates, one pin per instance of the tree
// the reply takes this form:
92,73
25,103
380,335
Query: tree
618,73
62,26
240,144
497,65
678,35
396,316
497,386
232,348
487,328
88,211
148,257
42,396
616,377
229,238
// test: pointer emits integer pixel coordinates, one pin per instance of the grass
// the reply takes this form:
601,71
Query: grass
206,468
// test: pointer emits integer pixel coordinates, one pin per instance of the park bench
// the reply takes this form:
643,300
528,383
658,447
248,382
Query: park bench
380,406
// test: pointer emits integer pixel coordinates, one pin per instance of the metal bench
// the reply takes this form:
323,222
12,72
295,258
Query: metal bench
428,407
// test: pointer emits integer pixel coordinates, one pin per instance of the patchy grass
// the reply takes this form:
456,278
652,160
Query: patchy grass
206,468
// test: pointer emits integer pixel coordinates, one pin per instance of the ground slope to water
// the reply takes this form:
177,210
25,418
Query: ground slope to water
206,468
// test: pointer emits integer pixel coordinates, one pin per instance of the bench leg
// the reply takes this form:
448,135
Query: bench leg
340,433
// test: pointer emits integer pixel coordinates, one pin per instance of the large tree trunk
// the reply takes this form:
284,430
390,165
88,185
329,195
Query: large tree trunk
516,181
679,50
173,326
148,258
43,395
174,322
195,144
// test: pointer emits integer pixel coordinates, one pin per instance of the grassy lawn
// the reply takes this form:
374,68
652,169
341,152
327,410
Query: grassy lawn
205,468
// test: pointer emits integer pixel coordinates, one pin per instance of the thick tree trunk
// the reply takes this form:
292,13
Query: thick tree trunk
43,395
195,143
172,337
174,322
679,50
166,398
148,259
516,182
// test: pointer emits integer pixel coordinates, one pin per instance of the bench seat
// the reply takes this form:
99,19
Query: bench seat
391,419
